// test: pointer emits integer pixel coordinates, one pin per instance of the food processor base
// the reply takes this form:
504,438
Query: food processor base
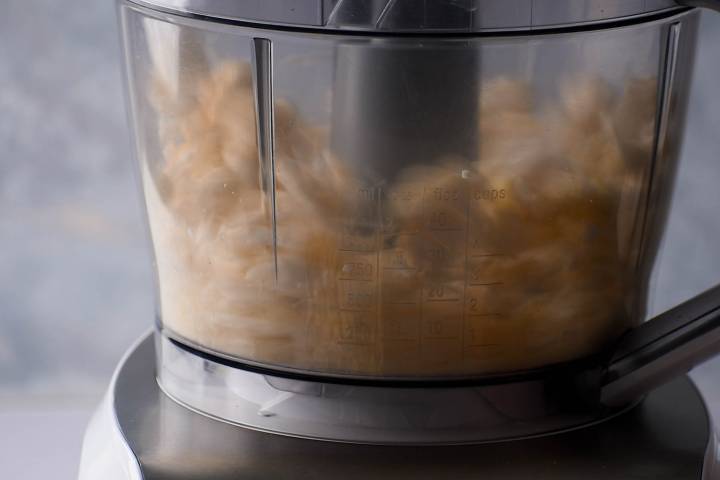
140,433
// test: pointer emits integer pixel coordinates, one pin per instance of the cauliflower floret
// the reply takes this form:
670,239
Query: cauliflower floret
520,257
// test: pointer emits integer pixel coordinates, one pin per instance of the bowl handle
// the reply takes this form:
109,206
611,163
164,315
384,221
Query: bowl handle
663,348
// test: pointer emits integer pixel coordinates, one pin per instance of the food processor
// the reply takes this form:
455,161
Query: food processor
408,239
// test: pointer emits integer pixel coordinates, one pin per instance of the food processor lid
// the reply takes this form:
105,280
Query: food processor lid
418,16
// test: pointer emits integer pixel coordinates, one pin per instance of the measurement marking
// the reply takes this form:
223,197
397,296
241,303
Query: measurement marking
379,242
359,344
442,300
401,233
354,280
488,284
400,336
466,269
354,251
405,340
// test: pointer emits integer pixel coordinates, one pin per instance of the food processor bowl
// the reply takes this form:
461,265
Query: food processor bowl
381,194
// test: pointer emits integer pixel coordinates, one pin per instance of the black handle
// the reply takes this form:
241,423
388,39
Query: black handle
663,348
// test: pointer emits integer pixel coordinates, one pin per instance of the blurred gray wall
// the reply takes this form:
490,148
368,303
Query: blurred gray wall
75,279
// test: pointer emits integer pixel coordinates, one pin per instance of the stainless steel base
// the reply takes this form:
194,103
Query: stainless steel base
668,436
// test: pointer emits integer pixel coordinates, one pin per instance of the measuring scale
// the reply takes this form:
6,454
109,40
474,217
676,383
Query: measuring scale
402,240
443,313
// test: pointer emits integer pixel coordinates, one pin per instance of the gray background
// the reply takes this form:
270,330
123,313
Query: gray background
75,278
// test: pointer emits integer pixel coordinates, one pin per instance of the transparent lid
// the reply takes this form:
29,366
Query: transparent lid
415,16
